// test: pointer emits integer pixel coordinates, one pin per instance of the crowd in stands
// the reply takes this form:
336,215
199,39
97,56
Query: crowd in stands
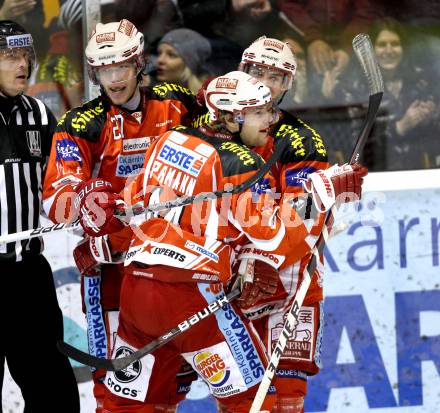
188,41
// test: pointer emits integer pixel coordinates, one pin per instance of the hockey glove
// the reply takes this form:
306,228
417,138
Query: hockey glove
258,280
338,184
92,252
96,201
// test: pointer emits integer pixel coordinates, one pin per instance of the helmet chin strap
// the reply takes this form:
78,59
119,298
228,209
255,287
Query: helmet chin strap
281,97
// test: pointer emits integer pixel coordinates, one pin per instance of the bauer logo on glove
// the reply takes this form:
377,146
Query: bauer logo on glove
96,202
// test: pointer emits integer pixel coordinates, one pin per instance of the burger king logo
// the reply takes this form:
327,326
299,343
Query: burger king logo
212,367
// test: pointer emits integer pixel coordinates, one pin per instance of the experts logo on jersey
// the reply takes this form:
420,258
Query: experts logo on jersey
129,165
212,367
182,158
67,150
203,251
297,177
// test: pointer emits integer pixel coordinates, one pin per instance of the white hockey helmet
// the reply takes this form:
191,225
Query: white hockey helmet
270,53
235,92
113,43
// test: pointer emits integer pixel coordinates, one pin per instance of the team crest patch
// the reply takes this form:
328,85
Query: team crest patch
133,371
133,381
33,139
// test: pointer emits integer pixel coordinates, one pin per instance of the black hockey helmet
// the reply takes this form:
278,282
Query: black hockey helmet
13,36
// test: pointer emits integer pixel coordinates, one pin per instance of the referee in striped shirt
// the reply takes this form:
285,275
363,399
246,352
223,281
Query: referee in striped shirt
30,317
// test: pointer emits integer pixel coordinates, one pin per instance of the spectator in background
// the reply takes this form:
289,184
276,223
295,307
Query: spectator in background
59,80
153,17
229,25
297,96
181,58
29,13
403,136
328,30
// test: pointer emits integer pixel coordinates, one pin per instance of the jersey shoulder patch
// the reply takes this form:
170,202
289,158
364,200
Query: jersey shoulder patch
301,140
201,119
86,121
165,90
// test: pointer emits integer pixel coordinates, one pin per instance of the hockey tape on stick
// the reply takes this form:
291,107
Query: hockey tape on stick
123,362
364,51
162,206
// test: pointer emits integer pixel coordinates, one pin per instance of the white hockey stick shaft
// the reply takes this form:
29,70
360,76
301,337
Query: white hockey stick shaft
38,232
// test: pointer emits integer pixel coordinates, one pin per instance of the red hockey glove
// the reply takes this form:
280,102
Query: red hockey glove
96,202
336,184
259,280
92,252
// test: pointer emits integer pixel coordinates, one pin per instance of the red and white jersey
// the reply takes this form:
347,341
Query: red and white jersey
185,162
102,140
305,154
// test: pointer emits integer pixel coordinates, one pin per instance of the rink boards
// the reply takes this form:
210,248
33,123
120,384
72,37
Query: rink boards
381,349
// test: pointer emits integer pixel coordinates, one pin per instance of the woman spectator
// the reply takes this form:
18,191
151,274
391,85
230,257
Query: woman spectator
298,96
403,136
181,58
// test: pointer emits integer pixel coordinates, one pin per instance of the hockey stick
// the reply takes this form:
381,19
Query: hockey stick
161,206
364,52
205,196
38,232
363,49
123,362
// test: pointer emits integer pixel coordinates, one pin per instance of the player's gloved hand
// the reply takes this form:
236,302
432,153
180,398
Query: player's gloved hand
96,201
338,184
258,280
92,252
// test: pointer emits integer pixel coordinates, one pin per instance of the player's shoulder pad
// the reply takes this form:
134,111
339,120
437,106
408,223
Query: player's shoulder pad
201,118
301,141
85,121
172,91
235,157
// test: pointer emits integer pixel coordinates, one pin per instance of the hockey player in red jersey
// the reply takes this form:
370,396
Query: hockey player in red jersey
179,260
107,137
273,63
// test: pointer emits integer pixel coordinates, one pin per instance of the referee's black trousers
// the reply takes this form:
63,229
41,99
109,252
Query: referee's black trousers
31,323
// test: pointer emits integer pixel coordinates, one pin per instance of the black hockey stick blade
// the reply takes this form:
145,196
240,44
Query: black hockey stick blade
123,362
364,51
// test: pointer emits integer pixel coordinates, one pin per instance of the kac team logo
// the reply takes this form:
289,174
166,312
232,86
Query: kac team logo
67,150
212,367
132,372
297,177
